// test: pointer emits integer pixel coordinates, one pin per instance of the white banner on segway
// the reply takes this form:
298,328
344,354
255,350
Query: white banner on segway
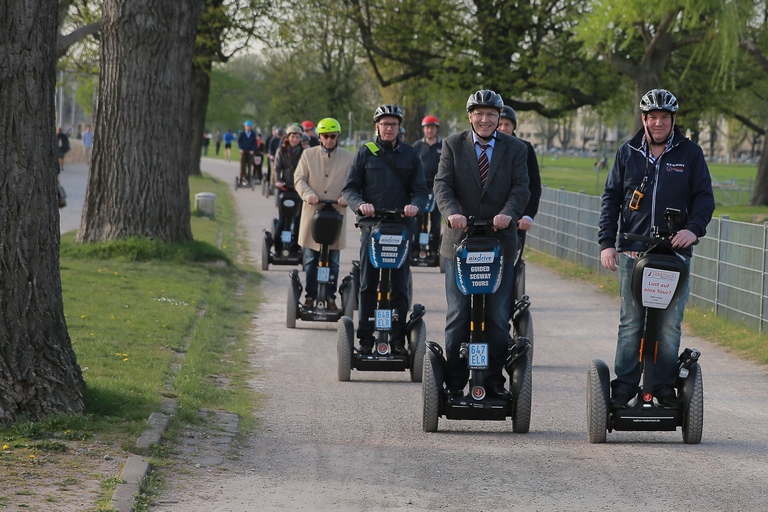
659,287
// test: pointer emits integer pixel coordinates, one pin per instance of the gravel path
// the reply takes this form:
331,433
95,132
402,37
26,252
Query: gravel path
353,446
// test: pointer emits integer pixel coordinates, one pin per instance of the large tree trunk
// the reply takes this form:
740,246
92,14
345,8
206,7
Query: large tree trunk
39,375
138,183
760,195
201,87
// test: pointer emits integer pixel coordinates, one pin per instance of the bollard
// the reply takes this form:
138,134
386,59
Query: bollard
205,202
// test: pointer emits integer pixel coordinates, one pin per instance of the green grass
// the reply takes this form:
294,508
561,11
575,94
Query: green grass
135,310
577,174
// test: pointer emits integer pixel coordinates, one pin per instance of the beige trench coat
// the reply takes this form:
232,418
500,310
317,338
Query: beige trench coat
322,174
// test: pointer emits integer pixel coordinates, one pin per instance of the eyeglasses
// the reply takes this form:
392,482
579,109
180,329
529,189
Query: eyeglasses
331,136
491,116
386,126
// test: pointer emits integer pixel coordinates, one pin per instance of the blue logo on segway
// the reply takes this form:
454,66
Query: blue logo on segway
389,246
430,203
479,271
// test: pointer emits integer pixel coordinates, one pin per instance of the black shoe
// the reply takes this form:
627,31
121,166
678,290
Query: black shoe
366,347
668,399
454,393
398,348
498,391
619,401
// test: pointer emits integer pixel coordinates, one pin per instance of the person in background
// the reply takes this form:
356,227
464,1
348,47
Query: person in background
62,147
219,138
228,138
429,149
286,160
508,125
88,142
320,175
247,144
309,131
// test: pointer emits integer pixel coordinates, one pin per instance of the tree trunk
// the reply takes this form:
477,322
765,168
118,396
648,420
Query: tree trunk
760,195
138,185
201,88
39,375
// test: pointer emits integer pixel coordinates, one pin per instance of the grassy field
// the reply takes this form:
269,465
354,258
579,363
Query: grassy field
149,323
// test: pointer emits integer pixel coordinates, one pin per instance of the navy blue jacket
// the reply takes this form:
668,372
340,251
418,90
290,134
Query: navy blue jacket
679,179
430,158
534,182
369,180
247,143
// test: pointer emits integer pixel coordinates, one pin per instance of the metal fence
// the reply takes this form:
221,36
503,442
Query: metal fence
729,270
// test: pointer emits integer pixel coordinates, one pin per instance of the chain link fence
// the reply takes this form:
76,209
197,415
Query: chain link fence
728,271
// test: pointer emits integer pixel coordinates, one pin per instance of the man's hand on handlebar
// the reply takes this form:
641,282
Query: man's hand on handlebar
279,184
457,221
609,258
683,239
341,201
313,199
524,224
367,209
411,210
501,221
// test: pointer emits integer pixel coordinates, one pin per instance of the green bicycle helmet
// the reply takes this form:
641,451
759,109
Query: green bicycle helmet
328,125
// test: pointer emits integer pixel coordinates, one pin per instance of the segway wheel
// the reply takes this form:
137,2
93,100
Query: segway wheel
348,301
526,329
265,254
693,420
344,343
521,416
597,410
292,306
430,396
417,345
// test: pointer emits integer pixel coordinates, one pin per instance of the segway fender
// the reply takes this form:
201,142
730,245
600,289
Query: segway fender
686,385
297,286
268,239
437,359
416,314
517,363
605,380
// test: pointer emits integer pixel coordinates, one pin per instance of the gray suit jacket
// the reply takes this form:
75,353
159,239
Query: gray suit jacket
458,190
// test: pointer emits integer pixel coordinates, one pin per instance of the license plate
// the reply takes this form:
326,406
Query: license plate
257,160
478,356
323,274
423,238
383,319
286,236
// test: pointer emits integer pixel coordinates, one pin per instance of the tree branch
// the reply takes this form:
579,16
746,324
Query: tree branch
63,42
757,55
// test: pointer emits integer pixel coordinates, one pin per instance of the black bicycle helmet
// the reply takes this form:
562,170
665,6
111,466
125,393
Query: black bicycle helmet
484,98
508,112
387,110
658,99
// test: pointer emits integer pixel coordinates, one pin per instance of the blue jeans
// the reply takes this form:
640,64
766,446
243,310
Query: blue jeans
627,366
457,322
311,259
369,281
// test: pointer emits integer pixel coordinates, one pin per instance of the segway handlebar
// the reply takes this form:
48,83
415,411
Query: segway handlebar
656,240
472,222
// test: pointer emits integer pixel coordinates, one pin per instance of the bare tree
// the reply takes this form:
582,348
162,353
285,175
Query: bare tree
138,183
39,375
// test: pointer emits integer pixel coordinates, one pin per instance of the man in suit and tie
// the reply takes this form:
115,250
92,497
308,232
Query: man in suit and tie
482,173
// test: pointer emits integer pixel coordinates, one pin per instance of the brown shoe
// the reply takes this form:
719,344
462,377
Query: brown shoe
330,305
309,303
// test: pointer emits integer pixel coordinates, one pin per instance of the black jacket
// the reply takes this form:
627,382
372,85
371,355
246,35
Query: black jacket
370,180
678,179
534,182
430,158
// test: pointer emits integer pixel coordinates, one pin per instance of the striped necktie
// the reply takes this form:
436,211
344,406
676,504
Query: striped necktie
482,163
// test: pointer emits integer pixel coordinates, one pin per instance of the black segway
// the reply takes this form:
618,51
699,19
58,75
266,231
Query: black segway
389,248
423,255
520,314
290,206
327,224
658,276
247,181
479,266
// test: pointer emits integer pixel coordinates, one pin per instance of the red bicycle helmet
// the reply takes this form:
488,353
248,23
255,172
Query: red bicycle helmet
430,121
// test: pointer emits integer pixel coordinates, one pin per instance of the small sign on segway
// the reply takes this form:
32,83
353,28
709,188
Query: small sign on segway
286,237
478,356
383,319
659,287
323,274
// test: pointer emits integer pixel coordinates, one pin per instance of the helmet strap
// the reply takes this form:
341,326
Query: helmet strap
650,138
